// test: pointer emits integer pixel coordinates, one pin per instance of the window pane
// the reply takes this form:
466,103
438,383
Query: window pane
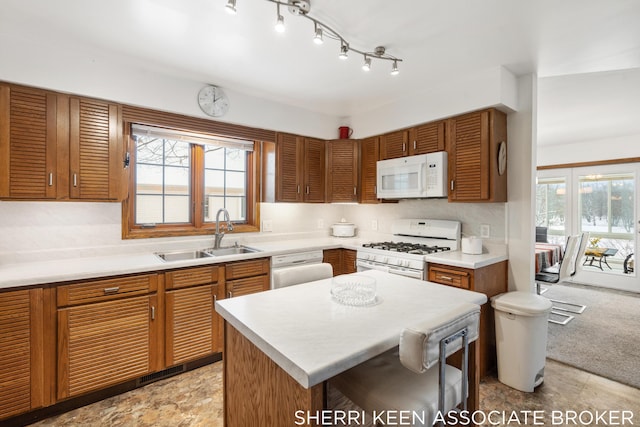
235,183
214,183
177,153
213,157
177,180
225,183
149,179
550,207
176,209
149,150
148,209
236,160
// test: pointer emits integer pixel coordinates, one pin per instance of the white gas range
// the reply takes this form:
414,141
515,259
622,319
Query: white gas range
413,239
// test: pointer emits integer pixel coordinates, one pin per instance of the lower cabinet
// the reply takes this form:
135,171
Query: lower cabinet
247,277
343,261
106,332
193,329
21,355
490,280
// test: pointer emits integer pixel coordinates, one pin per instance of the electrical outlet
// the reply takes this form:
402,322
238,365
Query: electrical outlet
267,225
485,231
374,224
320,223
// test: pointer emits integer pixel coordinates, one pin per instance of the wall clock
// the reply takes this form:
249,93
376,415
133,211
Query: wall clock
502,157
213,101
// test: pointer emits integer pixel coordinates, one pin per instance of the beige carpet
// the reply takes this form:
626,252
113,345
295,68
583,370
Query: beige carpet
605,339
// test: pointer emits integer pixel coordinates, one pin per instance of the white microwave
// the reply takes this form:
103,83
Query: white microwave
413,177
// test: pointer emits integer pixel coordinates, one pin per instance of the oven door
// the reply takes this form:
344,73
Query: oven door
364,265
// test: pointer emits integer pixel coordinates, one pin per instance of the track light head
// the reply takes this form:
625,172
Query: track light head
367,64
317,39
344,51
280,21
394,69
231,7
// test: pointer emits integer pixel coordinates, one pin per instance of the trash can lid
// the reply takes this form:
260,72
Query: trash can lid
523,303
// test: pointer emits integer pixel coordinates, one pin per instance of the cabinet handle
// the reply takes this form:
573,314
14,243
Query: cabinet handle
375,189
298,188
75,180
50,179
307,189
415,144
355,191
110,291
446,278
404,147
452,185
230,294
215,298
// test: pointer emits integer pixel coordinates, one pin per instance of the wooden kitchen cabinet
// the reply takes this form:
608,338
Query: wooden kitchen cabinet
368,170
56,147
21,352
342,170
427,138
300,169
247,277
394,145
472,143
490,280
193,329
343,261
107,333
29,134
95,150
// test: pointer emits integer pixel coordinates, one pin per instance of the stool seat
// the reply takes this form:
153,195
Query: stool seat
400,388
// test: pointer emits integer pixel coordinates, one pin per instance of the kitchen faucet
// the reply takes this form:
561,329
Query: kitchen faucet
219,235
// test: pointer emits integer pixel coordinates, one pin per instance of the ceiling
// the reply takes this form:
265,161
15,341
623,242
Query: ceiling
438,41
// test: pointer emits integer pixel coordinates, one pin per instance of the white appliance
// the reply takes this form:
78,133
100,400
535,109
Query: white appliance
343,229
406,256
420,176
298,258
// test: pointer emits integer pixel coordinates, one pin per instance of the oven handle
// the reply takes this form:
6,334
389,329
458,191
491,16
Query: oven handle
407,273
372,266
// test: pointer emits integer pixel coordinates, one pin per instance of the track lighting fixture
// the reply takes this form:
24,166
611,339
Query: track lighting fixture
280,21
302,8
231,7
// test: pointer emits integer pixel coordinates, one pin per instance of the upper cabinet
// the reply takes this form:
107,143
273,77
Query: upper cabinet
300,169
28,143
95,149
368,164
476,143
342,171
56,147
427,138
394,145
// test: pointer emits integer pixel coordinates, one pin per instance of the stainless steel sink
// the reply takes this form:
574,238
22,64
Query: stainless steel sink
183,255
233,250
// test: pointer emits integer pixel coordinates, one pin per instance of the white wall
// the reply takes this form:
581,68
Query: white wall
621,147
521,191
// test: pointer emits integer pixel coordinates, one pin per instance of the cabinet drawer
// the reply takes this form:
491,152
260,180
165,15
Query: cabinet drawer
240,269
191,277
446,276
108,289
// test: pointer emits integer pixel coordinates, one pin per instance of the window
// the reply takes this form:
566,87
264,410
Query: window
179,181
550,207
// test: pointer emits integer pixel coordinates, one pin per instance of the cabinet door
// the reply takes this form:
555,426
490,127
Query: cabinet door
333,257
348,261
289,150
105,343
192,325
342,176
28,143
394,145
21,355
368,171
95,150
248,285
314,161
427,138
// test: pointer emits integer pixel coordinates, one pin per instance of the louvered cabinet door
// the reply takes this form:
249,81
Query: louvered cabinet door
394,145
28,143
368,170
95,150
192,325
469,157
314,170
289,151
342,176
333,257
427,138
105,343
21,355
246,286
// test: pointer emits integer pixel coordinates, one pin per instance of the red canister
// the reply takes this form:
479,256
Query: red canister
345,132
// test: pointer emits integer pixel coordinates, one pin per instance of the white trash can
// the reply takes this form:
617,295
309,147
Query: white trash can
521,338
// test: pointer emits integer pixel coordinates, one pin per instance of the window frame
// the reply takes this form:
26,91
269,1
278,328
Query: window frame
197,226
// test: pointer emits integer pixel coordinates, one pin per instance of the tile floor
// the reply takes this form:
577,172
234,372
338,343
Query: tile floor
194,399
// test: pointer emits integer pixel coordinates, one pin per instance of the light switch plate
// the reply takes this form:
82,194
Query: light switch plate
267,225
485,231
374,224
320,223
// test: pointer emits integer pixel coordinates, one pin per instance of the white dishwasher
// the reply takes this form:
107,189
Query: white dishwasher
293,259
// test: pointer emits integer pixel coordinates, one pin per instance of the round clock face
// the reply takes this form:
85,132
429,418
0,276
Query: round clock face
213,101
502,158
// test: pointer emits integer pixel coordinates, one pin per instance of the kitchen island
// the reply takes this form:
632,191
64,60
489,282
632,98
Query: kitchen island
281,345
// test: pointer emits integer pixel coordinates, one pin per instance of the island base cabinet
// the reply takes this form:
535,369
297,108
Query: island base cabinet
257,391
104,343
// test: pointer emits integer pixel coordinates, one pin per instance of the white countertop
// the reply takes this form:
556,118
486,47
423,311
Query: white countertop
313,338
61,270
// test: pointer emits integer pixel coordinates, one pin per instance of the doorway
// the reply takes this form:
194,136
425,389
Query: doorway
602,200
